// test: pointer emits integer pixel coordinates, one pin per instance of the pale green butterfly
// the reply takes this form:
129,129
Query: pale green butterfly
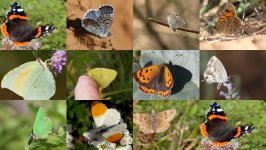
32,81
103,76
42,126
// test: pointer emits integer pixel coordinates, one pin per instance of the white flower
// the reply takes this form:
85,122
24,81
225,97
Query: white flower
127,139
69,138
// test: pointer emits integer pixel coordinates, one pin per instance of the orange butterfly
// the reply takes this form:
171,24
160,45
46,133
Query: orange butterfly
228,22
155,79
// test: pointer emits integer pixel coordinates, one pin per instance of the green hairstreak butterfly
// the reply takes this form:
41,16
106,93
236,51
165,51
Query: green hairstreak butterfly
42,126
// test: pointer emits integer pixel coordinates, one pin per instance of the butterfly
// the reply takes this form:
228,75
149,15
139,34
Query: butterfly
107,123
217,129
145,139
215,72
175,21
154,122
228,22
103,76
42,126
155,79
32,81
16,27
98,22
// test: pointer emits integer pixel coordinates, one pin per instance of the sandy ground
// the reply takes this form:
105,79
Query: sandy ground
79,39
254,42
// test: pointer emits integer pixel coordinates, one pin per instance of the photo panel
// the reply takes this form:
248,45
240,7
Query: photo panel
95,75
166,25
99,25
32,25
33,75
166,75
232,74
94,124
33,124
232,25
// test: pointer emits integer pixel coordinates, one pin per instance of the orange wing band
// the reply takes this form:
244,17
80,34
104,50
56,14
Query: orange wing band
39,32
21,43
238,132
203,130
217,117
4,30
11,17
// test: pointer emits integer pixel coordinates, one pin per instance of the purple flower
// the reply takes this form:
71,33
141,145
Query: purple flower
58,60
228,85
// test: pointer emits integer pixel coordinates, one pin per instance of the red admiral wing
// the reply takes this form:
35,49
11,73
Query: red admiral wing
217,129
16,27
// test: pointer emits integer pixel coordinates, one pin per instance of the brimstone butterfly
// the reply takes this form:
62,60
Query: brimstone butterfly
32,81
103,76
42,126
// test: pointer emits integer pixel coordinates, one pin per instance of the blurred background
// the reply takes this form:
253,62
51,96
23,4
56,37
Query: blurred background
40,12
121,29
149,35
17,119
121,61
79,116
246,70
254,24
9,60
184,132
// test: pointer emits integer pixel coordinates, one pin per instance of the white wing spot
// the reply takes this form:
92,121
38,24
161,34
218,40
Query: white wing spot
20,10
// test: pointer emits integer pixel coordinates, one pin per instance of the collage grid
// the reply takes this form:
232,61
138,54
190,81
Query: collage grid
134,74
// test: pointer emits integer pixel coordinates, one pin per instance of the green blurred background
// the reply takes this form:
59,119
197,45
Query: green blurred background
79,116
184,131
17,118
121,61
40,12
11,59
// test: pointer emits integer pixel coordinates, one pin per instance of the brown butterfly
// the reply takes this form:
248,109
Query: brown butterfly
155,79
228,22
154,122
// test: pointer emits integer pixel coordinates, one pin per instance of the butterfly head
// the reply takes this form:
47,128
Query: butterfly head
208,77
229,10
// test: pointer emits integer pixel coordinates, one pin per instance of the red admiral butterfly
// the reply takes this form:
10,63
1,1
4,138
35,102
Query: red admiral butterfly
16,27
216,127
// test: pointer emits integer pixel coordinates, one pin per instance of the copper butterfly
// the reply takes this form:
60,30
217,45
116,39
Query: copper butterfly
155,79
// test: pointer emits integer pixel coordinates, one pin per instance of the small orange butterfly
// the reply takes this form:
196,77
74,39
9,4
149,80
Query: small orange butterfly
155,79
228,22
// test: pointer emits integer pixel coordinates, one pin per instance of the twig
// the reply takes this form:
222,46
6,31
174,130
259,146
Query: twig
181,29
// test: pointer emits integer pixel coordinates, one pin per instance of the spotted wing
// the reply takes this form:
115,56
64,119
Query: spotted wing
144,122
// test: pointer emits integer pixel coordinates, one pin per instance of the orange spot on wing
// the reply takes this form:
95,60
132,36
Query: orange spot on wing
147,74
217,117
39,32
11,17
115,137
203,130
168,77
238,132
164,93
4,30
147,90
21,43
98,109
